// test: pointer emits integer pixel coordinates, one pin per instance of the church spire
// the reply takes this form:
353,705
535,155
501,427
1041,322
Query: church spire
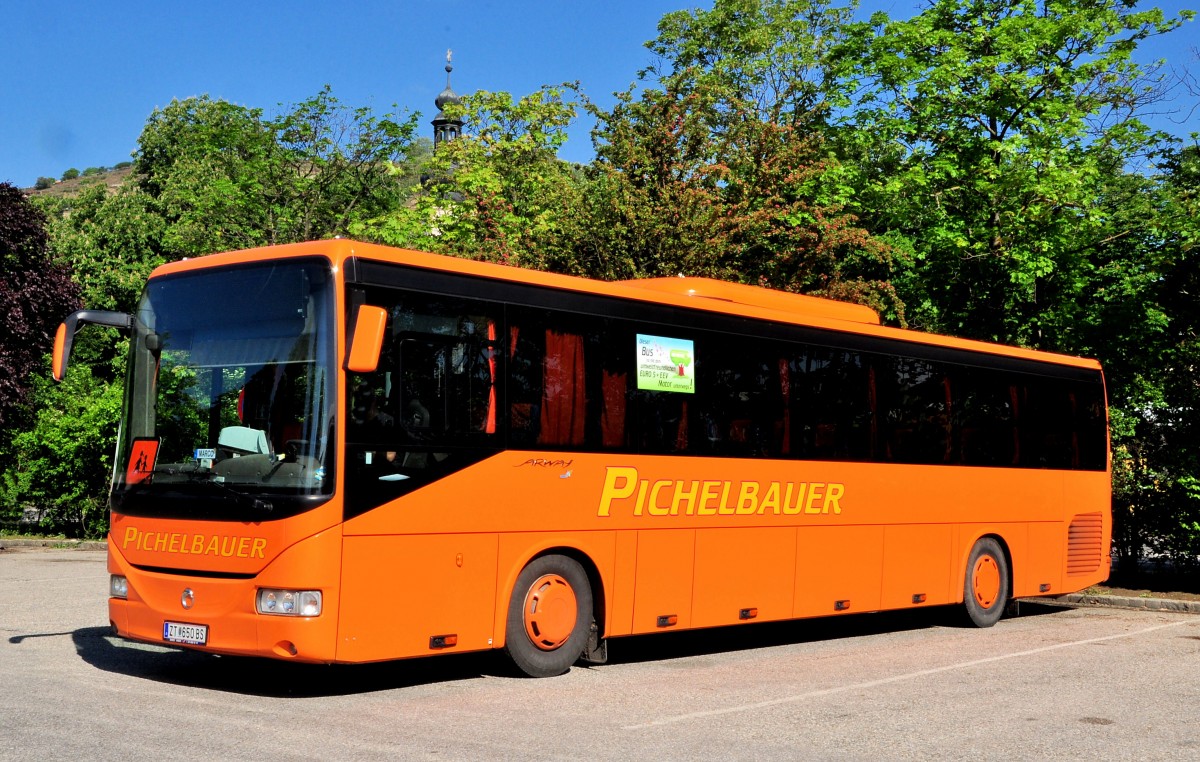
444,128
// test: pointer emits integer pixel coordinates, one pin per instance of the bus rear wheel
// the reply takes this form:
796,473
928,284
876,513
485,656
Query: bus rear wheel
549,615
986,588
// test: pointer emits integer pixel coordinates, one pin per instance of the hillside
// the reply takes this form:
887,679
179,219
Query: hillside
112,178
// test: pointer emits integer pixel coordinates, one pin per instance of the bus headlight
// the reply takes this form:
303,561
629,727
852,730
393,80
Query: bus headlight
289,602
118,586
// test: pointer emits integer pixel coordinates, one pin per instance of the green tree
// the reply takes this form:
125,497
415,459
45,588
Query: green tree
110,240
778,58
1156,489
498,192
44,182
70,174
226,177
719,166
35,294
996,138
61,464
981,137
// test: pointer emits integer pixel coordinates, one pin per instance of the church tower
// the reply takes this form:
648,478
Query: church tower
446,129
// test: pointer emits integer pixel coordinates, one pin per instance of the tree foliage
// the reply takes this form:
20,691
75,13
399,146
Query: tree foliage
984,127
125,225
1155,366
497,193
62,463
35,294
719,165
777,59
226,177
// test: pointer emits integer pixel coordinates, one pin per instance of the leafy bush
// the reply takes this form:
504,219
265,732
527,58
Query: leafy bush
60,467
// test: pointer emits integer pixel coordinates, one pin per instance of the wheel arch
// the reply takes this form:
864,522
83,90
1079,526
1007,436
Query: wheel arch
509,578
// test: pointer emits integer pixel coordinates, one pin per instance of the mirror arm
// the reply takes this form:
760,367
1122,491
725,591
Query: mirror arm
64,338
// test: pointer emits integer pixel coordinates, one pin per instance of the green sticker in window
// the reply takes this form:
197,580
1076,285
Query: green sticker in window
665,364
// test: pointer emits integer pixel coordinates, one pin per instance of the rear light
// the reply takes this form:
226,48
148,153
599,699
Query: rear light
289,602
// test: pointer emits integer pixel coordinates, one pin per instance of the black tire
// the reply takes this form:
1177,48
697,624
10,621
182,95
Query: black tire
561,581
986,587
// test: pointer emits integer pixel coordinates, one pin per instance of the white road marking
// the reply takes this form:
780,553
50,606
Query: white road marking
894,679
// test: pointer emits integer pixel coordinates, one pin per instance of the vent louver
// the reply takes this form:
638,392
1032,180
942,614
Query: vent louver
1084,540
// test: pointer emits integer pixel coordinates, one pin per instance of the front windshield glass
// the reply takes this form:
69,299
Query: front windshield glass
227,412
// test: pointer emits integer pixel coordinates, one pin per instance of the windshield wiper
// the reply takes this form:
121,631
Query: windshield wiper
241,498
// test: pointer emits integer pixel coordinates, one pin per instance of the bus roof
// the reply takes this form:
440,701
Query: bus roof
688,293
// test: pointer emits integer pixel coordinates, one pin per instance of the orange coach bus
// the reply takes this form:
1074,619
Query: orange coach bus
341,452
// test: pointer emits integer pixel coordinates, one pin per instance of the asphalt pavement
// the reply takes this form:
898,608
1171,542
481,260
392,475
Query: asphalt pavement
1050,683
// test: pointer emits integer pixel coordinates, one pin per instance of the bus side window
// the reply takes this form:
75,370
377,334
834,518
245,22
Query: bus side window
564,390
567,384
916,400
987,420
838,412
1049,431
663,420
743,390
526,354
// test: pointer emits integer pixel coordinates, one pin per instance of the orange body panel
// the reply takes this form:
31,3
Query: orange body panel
663,582
741,569
1043,565
753,296
208,546
619,620
401,590
699,539
838,569
916,562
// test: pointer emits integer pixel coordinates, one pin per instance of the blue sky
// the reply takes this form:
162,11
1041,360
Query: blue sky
79,78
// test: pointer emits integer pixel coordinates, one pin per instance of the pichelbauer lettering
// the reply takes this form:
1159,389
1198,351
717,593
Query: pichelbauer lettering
626,492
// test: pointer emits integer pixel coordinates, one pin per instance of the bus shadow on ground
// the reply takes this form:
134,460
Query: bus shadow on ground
745,637
270,678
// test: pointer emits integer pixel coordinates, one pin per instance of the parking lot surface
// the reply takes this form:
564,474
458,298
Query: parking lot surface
1052,683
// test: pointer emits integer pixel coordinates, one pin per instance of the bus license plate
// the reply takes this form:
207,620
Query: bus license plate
192,634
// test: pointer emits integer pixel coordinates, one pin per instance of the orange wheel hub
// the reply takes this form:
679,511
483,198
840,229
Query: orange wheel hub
986,581
550,612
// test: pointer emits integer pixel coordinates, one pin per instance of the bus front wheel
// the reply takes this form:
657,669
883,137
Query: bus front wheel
549,614
986,589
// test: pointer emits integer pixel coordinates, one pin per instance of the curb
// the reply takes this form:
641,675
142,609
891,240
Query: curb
1081,600
51,542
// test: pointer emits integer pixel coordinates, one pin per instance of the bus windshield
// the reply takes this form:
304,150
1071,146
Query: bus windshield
228,397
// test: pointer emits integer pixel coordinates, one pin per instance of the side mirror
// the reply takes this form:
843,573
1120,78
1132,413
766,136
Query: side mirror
64,338
367,340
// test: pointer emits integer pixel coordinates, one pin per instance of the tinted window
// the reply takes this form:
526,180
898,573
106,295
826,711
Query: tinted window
433,404
463,378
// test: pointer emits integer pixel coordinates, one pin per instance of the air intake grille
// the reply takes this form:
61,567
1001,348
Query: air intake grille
1084,538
